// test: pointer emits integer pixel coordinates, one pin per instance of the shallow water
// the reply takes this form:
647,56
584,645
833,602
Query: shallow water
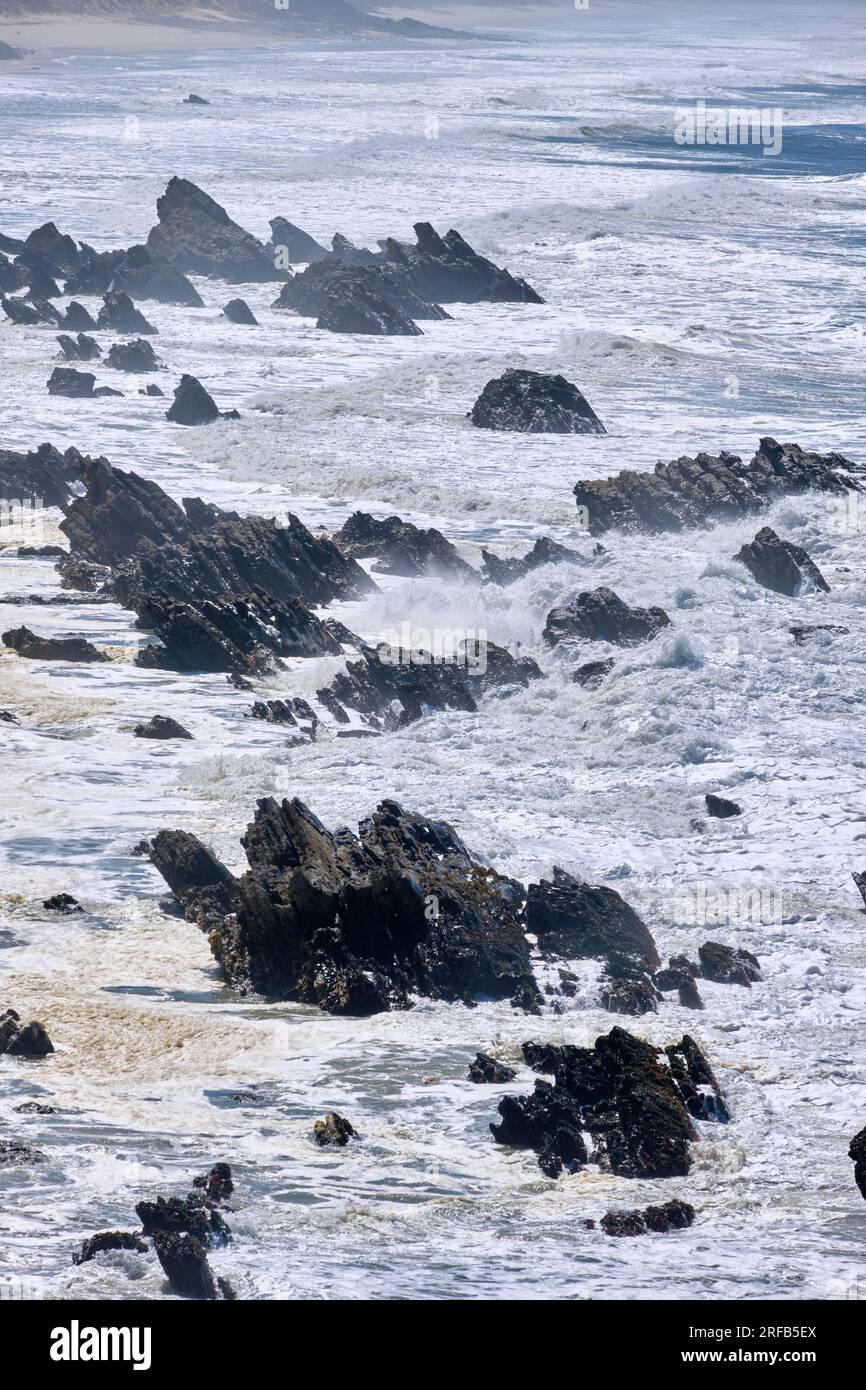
699,302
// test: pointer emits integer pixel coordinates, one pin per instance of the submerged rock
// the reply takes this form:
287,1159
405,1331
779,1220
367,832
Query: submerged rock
331,290
34,648
720,807
779,565
355,924
194,406
137,356
62,902
109,1240
238,311
23,1039
197,236
697,492
670,1216
334,1129
194,100
591,674
600,615
217,1184
533,403
161,726
577,920
14,1154
635,1101
726,965
543,552
401,548
489,1071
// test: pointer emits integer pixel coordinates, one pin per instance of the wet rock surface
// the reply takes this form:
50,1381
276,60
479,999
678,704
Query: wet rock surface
534,403
354,923
779,565
82,348
600,615
401,548
695,492
161,726
44,473
193,405
636,1101
32,647
119,314
196,236
544,552
720,807
137,356
108,1240
489,1071
355,299
15,1154
675,1215
333,1131
727,965
23,1039
579,920
238,311
857,1152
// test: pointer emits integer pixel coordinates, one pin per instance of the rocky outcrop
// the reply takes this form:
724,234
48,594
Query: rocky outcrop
727,965
14,1154
635,1101
600,615
670,1216
680,975
185,1264
544,552
857,1152
290,244
134,272
109,1240
591,674
696,492
64,903
34,648
79,349
78,319
720,808
489,1071
779,565
579,920
43,473
137,356
119,315
19,1039
401,548
197,236
66,381
217,1183
333,1131
174,1215
194,406
534,403
195,100
161,726
446,270
356,924
238,311
27,314
353,299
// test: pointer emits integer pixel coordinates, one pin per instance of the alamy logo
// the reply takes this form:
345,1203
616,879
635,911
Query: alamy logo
705,905
729,125
22,521
77,1343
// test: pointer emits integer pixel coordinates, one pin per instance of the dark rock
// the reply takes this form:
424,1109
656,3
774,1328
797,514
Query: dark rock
52,247
631,996
77,319
193,406
43,473
592,673
27,314
860,880
533,403
857,1151
109,1240
7,717
446,270
137,356
66,381
682,980
151,390
217,1183
33,272
292,244
136,273
487,1070
62,902
600,615
119,314
382,301
161,726
14,1154
184,1261
635,1101
175,1214
579,921
726,965
194,100
802,633
670,1216
700,491
33,1107
276,712
23,1040
238,311
720,807
623,1223
354,308
543,552
779,565
403,549
80,349
334,1129
355,924
81,575
34,648
196,236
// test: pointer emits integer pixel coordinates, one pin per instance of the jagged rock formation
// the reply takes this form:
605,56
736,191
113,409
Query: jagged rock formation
193,405
591,674
579,920
727,965
290,243
534,403
705,489
135,272
401,548
600,615
670,1216
328,289
33,648
38,310
489,1071
78,319
79,349
137,356
544,552
446,270
108,1240
196,236
636,1101
119,314
238,311
14,1154
66,381
779,565
355,924
64,903
43,473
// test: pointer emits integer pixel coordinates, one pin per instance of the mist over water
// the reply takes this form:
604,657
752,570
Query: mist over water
700,297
